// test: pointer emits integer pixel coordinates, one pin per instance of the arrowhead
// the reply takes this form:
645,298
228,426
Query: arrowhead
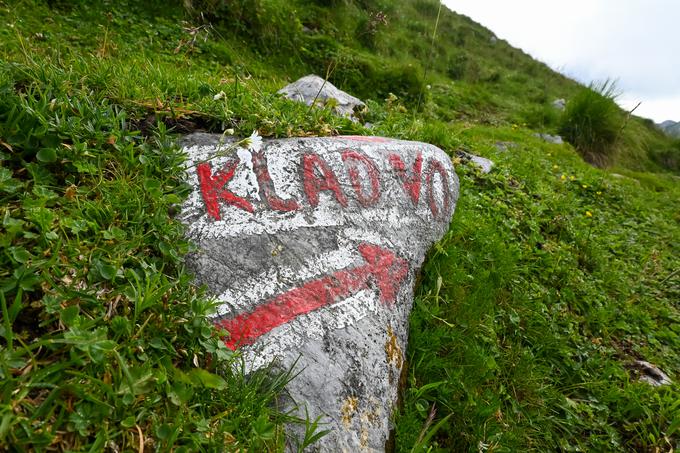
388,270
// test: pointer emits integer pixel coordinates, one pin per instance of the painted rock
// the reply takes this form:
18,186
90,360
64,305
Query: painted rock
312,246
312,88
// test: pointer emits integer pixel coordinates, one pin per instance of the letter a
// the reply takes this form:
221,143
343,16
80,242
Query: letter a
314,183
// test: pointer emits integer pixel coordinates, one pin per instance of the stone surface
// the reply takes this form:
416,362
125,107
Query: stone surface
312,88
312,247
559,104
505,146
485,165
554,139
651,374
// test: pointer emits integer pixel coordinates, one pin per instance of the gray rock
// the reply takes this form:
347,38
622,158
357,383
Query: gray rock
485,165
651,374
312,246
554,139
559,104
314,89
505,146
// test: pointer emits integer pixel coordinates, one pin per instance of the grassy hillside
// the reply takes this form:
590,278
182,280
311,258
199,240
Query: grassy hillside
554,277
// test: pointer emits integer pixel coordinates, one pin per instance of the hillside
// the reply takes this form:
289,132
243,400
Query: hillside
671,128
555,277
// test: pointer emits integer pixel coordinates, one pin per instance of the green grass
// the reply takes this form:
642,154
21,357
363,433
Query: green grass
553,278
534,304
593,123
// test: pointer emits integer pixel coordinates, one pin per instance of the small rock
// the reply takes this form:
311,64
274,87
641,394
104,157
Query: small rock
311,247
312,88
559,104
554,139
651,374
505,146
484,164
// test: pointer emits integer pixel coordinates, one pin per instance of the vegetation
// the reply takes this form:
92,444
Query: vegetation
554,277
593,122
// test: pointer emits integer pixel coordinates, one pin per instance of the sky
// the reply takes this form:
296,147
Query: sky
635,42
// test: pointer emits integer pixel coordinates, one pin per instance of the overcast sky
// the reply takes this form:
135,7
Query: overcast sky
636,42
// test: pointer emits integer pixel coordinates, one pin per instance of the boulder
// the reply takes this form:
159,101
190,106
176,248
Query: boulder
314,89
312,247
554,139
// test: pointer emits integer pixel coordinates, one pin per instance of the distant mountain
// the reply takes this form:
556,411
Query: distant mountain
670,128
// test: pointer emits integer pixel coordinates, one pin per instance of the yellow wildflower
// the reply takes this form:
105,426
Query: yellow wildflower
589,214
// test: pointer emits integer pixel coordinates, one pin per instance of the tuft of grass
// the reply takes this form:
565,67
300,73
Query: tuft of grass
593,122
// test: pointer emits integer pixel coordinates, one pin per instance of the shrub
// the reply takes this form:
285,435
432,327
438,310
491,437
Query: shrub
268,26
592,122
540,116
668,157
367,79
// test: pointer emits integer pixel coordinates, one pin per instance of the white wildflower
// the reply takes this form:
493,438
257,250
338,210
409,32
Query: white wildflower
219,95
254,142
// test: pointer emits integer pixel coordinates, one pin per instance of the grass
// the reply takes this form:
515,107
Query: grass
553,278
535,304
593,123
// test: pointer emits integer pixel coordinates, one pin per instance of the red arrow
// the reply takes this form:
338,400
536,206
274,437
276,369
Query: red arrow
382,266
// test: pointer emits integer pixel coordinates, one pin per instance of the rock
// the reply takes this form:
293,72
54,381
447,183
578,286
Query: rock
312,246
485,165
559,104
651,374
313,88
554,139
505,146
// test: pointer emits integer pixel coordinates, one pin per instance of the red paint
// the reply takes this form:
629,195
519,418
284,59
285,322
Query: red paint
267,191
411,183
382,266
362,138
313,183
435,165
213,188
351,160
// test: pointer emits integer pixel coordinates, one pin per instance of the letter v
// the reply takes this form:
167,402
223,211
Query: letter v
410,183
